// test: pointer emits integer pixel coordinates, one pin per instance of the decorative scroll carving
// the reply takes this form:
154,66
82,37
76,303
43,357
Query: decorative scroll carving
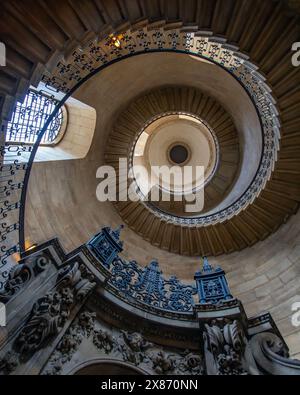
17,278
50,313
225,343
20,275
271,355
48,316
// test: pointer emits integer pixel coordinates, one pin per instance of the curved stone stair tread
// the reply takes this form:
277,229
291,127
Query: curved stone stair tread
247,230
71,22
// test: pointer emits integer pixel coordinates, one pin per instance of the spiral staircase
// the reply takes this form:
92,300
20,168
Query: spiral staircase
52,37
60,43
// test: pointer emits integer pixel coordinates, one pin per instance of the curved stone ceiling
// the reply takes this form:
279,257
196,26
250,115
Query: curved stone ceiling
211,133
178,139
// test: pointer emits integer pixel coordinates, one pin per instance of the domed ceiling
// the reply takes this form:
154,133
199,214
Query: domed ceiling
199,131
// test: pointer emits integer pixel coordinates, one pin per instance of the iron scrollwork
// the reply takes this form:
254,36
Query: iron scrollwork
148,286
29,118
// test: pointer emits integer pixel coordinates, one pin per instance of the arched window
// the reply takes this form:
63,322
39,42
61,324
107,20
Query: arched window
29,118
69,135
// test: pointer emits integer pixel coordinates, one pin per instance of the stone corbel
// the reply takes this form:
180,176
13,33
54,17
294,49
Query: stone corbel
226,349
48,316
271,355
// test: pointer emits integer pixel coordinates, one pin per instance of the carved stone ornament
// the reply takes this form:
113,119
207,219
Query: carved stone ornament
83,327
9,363
163,363
134,347
224,344
128,347
49,314
21,274
104,340
191,363
271,355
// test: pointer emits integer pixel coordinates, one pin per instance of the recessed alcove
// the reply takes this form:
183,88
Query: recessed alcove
78,134
73,141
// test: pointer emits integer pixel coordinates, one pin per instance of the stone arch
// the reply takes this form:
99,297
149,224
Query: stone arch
100,367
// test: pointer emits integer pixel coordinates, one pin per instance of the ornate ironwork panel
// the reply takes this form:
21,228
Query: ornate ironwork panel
148,286
212,284
143,285
30,117
106,245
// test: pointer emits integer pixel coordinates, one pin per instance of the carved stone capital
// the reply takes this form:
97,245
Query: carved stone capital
224,343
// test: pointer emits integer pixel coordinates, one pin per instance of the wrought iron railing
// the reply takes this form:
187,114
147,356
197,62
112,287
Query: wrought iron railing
30,117
148,286
24,133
